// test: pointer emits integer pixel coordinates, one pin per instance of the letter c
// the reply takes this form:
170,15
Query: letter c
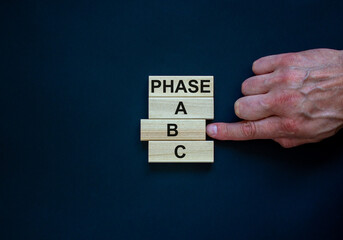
177,153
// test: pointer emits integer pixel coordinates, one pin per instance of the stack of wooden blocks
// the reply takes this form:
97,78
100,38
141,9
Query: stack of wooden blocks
176,128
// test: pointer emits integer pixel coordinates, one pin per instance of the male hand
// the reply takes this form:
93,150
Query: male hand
295,98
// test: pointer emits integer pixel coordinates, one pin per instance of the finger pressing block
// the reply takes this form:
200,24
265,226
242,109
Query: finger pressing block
163,129
181,152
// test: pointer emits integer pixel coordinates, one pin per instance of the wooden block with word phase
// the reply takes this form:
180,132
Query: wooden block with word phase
163,129
181,86
181,108
181,152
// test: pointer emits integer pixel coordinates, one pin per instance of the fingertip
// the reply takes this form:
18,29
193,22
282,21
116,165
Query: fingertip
253,68
256,66
236,107
218,131
212,130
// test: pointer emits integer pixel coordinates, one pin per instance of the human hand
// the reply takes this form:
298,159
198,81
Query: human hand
295,98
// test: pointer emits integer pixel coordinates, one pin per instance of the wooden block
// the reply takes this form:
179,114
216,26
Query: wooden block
181,152
156,129
181,108
181,86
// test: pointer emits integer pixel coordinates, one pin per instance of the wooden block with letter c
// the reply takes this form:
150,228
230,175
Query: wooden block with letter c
181,152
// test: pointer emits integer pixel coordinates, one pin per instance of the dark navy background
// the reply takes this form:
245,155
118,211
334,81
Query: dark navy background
74,82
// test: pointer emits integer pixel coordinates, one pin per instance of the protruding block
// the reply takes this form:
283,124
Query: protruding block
181,152
181,86
202,108
162,129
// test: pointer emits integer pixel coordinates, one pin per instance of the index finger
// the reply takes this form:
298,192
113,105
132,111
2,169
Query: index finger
268,128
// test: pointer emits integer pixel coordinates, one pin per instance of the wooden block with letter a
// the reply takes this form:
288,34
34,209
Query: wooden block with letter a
202,108
169,129
181,152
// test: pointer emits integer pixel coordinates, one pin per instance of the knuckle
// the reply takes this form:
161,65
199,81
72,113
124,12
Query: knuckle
224,130
285,75
287,98
290,126
248,129
289,59
267,103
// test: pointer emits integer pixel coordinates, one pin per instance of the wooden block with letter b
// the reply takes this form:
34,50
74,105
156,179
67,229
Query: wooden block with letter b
169,129
181,152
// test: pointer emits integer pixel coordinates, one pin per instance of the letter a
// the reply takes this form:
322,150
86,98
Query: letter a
180,108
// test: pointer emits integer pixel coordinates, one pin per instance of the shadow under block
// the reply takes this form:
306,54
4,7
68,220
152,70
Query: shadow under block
202,108
163,129
181,86
181,152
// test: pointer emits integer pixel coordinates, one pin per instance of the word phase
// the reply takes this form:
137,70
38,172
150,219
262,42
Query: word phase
176,128
180,86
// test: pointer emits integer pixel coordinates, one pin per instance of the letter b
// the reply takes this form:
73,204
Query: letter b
172,130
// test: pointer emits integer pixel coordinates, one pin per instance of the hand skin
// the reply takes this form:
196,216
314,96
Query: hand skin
294,98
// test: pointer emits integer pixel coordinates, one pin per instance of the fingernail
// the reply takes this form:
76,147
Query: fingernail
212,130
236,108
